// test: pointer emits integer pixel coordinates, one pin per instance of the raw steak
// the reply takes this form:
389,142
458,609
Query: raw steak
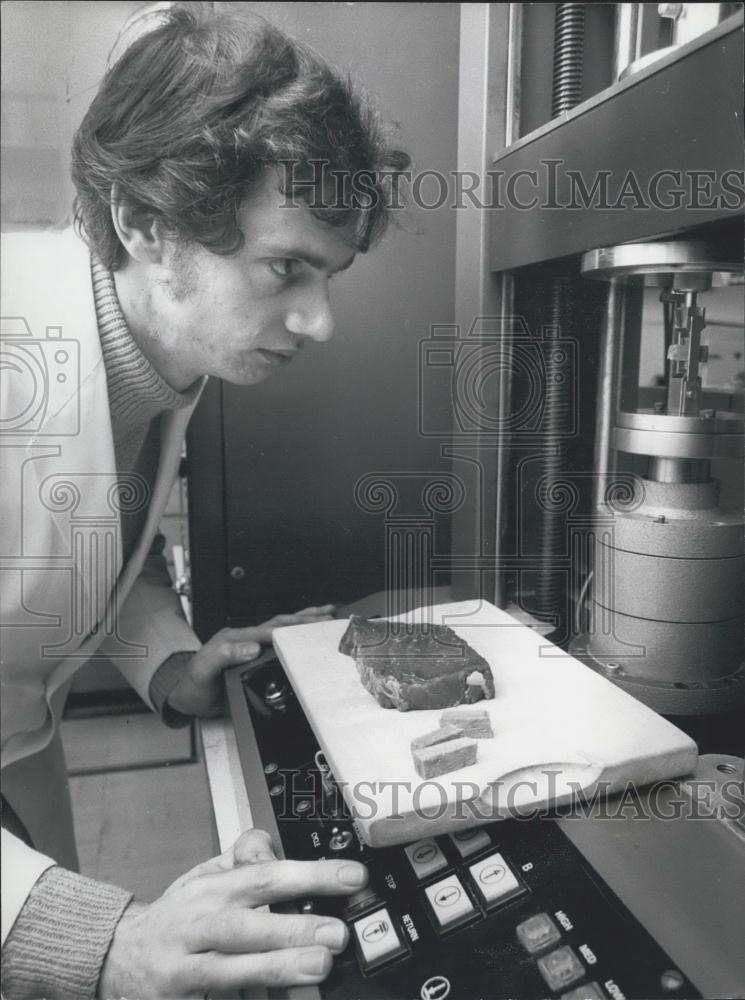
416,666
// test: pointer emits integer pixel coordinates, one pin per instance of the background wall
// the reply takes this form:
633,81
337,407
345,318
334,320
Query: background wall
53,57
294,447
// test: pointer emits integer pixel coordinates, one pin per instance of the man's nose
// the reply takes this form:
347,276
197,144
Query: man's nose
312,318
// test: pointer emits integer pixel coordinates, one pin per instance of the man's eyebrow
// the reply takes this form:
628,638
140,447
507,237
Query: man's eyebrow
308,256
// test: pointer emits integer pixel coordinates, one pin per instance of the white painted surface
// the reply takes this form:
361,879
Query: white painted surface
230,803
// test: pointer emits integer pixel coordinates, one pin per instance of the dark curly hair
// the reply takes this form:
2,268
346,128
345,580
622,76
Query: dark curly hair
196,109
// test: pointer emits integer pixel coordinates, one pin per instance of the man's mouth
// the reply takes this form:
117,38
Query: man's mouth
276,357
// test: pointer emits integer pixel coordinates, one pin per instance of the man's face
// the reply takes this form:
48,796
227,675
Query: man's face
245,316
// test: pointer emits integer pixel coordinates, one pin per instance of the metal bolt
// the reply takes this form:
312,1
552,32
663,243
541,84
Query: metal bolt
659,408
612,667
340,841
671,10
661,519
707,414
271,768
308,906
727,768
691,394
671,980
238,572
276,697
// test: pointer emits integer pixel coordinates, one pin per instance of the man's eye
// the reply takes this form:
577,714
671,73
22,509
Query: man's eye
282,266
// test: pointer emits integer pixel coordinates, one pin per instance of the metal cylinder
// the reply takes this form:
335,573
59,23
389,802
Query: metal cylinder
626,37
551,580
710,535
668,589
606,400
665,654
680,498
668,584
679,470
679,437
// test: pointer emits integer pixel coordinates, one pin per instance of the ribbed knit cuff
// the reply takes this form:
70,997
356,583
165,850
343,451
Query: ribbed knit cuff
164,680
58,944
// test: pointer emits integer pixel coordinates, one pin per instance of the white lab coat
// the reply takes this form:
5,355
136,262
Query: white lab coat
65,596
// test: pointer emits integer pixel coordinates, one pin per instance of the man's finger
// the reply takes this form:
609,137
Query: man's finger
289,967
252,847
275,881
246,634
298,619
243,931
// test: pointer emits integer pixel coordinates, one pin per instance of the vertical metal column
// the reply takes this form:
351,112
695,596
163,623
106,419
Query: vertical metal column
507,304
569,38
488,120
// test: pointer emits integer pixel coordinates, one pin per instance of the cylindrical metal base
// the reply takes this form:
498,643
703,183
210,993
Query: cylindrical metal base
666,651
678,698
666,612
668,589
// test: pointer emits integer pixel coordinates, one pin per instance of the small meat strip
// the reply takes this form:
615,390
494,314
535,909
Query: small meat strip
473,721
444,757
441,735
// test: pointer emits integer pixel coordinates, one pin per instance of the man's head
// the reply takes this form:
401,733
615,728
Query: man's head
202,137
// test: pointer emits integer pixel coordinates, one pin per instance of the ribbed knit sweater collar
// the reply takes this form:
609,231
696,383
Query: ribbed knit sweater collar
137,393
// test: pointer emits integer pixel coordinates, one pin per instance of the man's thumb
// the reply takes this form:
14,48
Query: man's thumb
237,652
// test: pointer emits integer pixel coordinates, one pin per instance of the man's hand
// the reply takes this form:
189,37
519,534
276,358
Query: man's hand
205,934
199,692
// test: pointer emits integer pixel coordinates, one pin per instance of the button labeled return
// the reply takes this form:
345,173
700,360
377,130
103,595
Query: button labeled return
377,939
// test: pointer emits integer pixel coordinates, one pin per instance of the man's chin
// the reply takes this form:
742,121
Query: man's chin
252,377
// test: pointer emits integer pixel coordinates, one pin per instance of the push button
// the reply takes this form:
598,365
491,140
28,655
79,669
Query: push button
377,939
537,933
589,992
494,880
425,857
468,842
358,902
450,903
560,968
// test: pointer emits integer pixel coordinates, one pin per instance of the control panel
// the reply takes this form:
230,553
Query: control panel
507,910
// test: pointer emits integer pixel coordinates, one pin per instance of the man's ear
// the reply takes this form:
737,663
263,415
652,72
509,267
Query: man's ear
140,232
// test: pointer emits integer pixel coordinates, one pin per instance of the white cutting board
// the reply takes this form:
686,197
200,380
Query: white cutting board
559,727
